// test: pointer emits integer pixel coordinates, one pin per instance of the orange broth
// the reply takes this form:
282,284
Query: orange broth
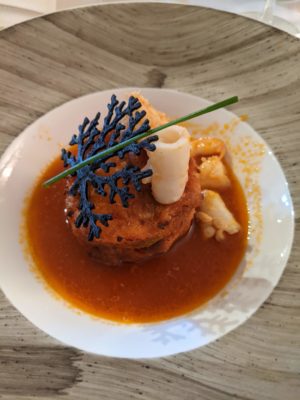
175,283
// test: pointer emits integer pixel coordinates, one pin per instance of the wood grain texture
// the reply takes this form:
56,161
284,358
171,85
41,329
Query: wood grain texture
50,60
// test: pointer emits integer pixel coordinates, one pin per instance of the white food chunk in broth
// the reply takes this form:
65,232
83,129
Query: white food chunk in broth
208,146
213,173
215,218
170,164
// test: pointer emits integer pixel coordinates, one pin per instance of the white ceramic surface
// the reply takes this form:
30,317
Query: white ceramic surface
271,234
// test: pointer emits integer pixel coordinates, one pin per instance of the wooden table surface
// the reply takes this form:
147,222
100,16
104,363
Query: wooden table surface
50,60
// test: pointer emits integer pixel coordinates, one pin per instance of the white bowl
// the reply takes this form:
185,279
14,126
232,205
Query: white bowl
270,238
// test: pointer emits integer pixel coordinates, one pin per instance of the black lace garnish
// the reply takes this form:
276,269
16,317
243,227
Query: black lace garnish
90,141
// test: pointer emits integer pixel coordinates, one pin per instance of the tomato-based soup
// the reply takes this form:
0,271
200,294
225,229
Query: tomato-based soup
184,278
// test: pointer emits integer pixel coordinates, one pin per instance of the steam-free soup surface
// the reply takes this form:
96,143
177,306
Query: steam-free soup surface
175,283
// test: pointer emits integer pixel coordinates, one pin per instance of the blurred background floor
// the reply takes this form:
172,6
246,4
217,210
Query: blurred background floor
283,14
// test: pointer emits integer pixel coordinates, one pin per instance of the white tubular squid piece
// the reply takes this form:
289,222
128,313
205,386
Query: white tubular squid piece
170,164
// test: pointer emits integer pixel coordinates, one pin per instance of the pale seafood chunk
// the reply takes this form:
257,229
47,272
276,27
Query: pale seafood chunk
170,164
213,173
207,146
170,161
215,218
